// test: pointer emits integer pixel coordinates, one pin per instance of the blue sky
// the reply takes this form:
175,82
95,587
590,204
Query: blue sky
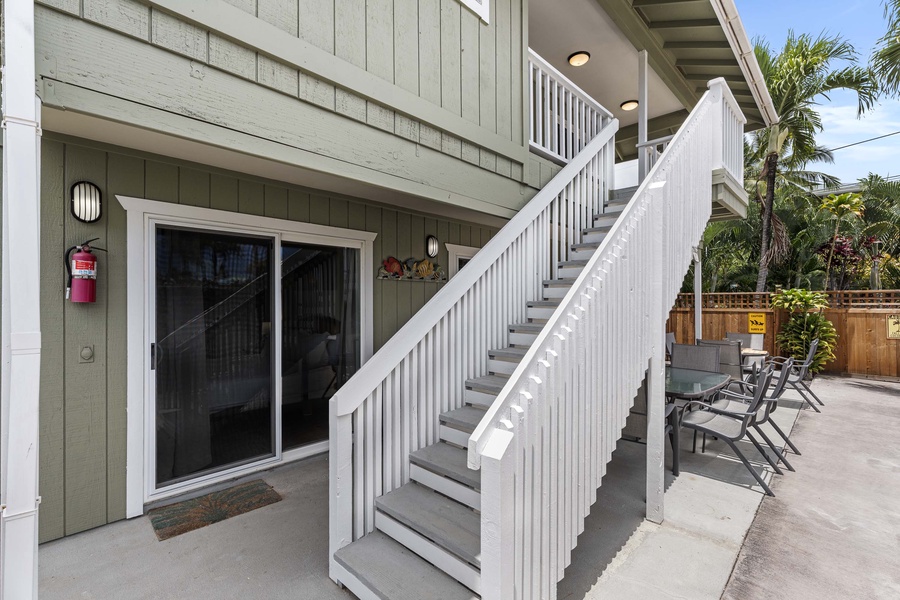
862,23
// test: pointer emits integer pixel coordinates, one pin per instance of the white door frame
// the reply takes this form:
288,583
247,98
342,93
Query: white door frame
142,216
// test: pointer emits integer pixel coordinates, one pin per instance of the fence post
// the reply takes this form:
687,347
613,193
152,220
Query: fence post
340,484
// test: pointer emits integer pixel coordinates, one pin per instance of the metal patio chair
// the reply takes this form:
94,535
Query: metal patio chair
730,358
747,340
796,375
730,401
698,358
731,426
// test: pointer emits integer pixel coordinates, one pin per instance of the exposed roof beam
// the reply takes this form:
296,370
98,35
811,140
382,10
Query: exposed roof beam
696,45
684,24
705,76
643,3
707,62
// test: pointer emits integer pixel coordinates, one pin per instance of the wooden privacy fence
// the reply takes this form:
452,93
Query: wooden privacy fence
860,317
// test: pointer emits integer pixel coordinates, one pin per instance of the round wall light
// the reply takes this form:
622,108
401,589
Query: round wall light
431,246
86,206
579,58
629,105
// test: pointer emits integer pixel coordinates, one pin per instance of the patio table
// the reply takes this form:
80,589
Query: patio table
688,384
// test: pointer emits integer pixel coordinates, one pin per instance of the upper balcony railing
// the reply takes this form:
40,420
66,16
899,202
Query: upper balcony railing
563,118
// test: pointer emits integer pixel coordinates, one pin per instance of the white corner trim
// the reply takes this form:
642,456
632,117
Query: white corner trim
482,8
141,216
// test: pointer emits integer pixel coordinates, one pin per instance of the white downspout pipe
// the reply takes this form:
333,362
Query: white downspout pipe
21,336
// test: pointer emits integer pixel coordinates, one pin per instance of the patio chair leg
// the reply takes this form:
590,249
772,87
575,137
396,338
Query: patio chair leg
805,397
786,439
773,447
750,468
765,454
808,389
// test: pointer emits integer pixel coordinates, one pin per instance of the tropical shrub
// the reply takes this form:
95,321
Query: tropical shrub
804,326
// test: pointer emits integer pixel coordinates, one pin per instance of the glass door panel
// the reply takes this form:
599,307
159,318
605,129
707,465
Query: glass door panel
320,335
213,352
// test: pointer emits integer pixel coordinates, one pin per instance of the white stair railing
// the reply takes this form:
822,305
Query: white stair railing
544,444
653,149
391,406
563,117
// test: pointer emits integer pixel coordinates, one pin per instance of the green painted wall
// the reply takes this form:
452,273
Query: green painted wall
83,404
446,87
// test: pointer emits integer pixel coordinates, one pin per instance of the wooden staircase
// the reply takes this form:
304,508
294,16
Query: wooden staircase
428,532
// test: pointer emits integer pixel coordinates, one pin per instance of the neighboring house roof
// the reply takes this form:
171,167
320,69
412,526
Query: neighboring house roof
690,42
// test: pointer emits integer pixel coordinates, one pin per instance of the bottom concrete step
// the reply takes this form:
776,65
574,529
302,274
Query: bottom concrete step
385,569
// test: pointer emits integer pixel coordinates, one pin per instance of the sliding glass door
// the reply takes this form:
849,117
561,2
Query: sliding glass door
227,328
213,354
320,335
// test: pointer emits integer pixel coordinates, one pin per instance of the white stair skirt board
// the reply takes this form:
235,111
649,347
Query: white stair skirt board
462,571
446,486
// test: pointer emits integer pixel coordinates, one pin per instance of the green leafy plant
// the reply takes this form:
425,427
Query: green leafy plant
804,326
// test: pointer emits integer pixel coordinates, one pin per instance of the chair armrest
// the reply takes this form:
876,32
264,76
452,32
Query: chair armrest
736,395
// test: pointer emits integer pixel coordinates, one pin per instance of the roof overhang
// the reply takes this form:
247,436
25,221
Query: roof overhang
690,42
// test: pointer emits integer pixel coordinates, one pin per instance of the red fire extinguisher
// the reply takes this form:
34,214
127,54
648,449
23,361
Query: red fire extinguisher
82,269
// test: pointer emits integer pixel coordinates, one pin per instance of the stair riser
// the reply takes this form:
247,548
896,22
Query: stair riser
540,313
454,436
522,339
479,398
607,220
571,272
593,237
555,291
501,367
446,486
460,570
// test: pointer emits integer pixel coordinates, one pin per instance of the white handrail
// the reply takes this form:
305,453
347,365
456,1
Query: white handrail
563,117
348,398
544,444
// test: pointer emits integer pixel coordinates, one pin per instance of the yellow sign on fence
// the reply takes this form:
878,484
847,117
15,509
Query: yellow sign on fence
893,323
756,322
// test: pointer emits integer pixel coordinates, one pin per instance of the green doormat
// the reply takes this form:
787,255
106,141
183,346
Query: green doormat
175,519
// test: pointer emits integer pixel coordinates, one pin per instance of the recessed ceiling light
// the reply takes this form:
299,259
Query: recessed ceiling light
579,58
629,105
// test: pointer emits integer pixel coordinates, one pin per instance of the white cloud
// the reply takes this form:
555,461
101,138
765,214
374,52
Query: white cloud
841,127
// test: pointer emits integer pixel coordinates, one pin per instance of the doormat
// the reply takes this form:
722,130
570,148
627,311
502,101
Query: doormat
175,519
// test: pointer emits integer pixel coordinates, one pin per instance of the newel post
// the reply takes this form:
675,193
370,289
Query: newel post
340,484
497,517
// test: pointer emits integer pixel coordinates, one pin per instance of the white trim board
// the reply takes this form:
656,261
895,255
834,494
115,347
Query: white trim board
454,253
142,216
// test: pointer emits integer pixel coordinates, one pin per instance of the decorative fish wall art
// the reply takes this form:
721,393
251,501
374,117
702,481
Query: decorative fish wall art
416,270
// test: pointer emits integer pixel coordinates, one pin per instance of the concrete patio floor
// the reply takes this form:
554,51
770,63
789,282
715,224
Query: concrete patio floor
280,551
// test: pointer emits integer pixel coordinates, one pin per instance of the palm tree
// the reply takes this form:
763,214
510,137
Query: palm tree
841,207
886,58
797,77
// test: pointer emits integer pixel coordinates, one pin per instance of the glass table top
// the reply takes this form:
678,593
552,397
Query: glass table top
688,383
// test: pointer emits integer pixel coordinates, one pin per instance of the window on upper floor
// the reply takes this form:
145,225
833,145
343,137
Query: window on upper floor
482,8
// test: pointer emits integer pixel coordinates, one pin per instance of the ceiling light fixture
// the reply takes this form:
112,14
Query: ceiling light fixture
579,58
629,105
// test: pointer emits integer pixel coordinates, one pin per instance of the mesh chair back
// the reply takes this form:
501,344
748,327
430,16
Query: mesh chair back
700,358
762,384
730,359
755,341
778,390
670,341
805,365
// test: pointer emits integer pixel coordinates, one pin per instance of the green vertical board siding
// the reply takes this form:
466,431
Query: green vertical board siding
83,404
52,410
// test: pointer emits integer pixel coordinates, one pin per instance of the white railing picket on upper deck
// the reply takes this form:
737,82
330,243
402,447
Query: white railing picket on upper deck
563,117
544,444
653,149
390,407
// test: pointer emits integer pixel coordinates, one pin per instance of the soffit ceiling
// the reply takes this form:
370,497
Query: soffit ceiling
687,47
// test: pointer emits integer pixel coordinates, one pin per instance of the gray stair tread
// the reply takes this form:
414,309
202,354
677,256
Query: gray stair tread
449,524
603,229
465,418
392,571
573,263
511,353
489,383
586,245
558,282
526,327
543,303
448,461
